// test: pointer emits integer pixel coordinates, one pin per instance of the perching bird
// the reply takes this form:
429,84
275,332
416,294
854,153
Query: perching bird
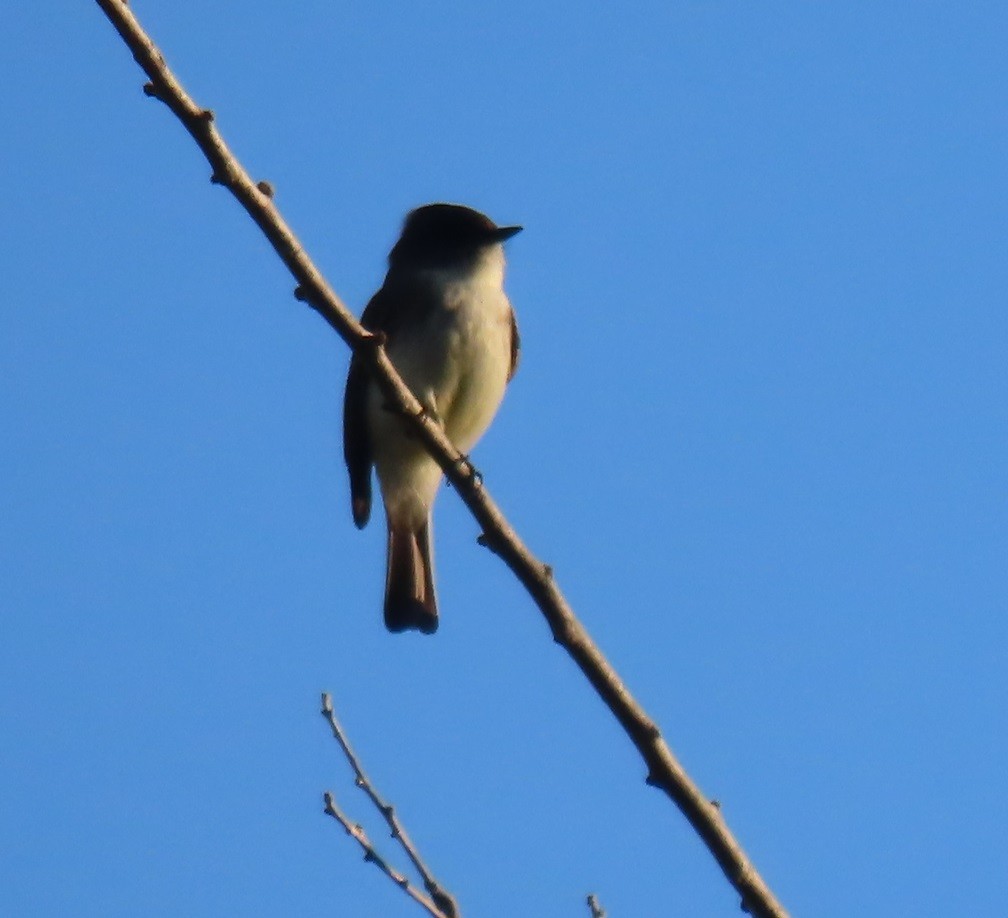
450,331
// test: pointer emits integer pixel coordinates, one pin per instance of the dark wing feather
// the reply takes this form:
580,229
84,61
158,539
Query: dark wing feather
356,436
357,442
515,347
383,313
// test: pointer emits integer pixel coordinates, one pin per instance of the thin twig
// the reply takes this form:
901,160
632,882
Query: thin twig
356,832
443,899
663,769
596,909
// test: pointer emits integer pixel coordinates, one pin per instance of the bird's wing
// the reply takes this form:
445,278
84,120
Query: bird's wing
382,314
515,347
357,452
357,441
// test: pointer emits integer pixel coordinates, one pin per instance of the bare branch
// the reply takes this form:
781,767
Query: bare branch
596,909
663,769
443,899
370,854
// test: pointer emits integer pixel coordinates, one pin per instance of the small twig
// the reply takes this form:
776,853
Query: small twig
355,831
596,909
443,899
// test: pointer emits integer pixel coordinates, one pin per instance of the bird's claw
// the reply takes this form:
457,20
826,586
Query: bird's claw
465,462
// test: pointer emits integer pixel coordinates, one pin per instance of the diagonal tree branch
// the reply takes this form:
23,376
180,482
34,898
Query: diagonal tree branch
442,898
664,770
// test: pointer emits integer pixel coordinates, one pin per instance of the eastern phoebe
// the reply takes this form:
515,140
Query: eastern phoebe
450,332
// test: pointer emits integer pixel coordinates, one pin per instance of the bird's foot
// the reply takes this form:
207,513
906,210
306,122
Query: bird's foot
466,464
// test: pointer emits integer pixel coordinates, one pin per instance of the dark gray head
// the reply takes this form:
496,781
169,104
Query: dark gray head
446,235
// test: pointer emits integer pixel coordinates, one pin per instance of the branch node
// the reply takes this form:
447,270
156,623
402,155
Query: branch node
217,179
547,570
561,631
715,803
206,115
444,902
151,91
373,339
301,294
266,189
484,540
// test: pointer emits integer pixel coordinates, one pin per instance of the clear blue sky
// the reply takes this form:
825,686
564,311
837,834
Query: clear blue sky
760,430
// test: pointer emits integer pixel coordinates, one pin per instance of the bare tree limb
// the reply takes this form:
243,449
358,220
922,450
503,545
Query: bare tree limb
663,769
442,898
355,831
596,909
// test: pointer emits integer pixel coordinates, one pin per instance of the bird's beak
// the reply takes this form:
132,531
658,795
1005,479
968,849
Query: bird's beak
505,232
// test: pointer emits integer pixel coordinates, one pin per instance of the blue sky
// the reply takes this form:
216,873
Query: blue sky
759,430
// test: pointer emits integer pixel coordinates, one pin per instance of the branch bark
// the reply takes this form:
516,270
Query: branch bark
663,769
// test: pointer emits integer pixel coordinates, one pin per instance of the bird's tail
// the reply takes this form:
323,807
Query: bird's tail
409,580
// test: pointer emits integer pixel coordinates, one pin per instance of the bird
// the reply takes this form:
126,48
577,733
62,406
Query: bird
450,331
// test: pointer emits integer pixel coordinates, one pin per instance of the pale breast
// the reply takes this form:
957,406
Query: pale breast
456,362
480,355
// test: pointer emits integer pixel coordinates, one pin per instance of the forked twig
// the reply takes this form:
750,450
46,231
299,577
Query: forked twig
355,831
443,901
663,768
